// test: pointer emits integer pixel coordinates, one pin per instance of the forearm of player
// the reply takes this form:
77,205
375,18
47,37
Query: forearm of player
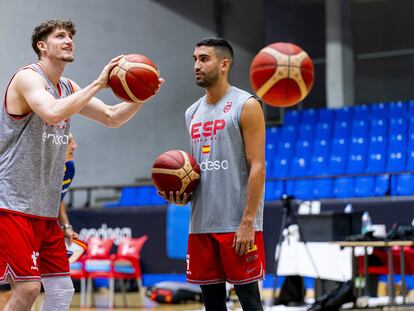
63,216
110,116
254,192
64,108
122,113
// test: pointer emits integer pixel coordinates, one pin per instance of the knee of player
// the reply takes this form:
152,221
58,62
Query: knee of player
26,290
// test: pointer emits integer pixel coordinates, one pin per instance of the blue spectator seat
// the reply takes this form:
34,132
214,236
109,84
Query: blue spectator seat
403,185
343,187
378,127
299,166
398,109
342,130
398,125
382,184
323,131
359,128
318,165
397,141
356,163
303,189
396,160
410,159
309,116
321,146
369,186
343,114
285,149
270,152
364,186
273,134
280,167
326,116
411,123
411,108
337,158
322,188
380,110
361,112
377,154
358,144
303,147
292,117
306,132
288,133
138,196
410,143
376,162
273,190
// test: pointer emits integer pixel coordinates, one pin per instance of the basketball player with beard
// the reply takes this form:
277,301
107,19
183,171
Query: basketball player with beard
227,137
34,133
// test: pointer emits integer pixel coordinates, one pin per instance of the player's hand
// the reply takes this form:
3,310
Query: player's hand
175,198
70,235
243,240
159,86
103,79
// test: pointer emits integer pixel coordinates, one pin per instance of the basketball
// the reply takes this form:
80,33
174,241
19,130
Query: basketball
175,170
282,74
135,78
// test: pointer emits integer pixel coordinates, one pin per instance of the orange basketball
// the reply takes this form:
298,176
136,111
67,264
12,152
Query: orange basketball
175,170
135,78
282,74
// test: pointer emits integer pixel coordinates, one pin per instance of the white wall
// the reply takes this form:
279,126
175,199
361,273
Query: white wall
105,29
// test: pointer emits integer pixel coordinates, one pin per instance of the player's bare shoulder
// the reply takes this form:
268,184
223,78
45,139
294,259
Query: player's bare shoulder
252,112
24,81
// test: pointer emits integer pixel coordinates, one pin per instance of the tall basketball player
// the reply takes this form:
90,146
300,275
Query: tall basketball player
34,133
227,135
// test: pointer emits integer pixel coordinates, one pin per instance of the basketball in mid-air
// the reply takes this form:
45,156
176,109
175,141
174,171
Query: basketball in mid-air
282,74
135,78
175,170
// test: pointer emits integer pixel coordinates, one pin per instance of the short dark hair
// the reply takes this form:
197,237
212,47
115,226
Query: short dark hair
41,31
222,47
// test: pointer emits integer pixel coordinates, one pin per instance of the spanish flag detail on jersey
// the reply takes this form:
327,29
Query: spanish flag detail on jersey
206,149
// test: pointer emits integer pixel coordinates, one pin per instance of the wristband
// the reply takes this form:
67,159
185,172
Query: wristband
66,226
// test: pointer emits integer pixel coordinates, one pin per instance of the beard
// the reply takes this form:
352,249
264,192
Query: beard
208,79
67,59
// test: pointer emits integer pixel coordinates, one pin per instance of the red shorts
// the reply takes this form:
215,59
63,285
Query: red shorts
31,248
211,259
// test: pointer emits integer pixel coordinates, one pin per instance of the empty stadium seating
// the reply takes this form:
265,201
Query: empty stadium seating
361,151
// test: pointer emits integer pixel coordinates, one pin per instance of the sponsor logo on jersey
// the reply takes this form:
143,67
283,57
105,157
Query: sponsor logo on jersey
207,129
208,165
56,139
227,107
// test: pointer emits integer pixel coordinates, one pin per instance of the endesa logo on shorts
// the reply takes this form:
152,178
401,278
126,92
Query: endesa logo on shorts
207,129
208,165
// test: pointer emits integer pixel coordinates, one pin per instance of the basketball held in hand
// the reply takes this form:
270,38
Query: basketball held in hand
175,170
282,74
135,78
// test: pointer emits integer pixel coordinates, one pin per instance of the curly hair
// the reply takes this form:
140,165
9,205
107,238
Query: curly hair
42,31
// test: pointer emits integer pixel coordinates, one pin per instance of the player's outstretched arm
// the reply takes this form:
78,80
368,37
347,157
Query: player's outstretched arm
112,116
252,124
31,86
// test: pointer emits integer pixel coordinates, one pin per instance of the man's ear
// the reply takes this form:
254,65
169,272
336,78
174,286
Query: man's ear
41,45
